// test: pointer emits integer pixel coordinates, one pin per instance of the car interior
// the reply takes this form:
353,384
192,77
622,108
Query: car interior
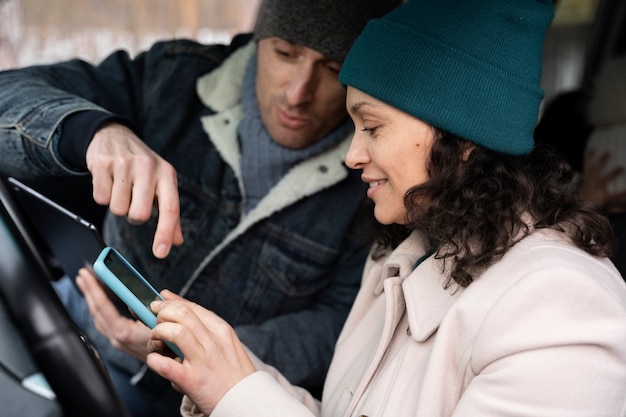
47,366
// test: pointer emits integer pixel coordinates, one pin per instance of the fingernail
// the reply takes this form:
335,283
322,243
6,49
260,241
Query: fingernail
161,250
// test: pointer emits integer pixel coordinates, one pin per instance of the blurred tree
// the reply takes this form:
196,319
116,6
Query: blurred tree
48,31
10,32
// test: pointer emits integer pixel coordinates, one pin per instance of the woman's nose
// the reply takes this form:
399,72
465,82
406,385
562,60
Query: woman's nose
357,155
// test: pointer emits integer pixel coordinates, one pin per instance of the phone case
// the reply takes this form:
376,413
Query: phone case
123,291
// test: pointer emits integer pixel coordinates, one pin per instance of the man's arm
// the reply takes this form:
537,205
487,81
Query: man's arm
42,119
33,106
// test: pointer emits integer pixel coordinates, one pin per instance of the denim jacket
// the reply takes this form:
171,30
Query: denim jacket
285,274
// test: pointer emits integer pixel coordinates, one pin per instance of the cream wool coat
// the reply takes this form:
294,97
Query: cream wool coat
542,333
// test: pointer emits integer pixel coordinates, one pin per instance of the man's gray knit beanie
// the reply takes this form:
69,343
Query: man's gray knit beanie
327,26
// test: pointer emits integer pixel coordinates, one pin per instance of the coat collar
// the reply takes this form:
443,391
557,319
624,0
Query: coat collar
401,262
220,89
427,301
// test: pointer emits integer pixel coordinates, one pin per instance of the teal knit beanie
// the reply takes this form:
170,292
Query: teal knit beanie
470,67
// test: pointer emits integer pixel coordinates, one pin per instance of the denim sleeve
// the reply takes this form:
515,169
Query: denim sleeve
35,101
32,109
301,344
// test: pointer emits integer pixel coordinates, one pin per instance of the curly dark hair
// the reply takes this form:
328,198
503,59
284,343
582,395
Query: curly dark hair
479,203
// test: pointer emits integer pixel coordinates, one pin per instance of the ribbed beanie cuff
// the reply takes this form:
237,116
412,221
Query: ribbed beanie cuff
470,67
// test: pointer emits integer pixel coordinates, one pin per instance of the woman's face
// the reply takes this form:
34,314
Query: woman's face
392,148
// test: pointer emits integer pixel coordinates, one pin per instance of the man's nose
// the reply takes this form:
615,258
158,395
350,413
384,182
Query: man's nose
302,86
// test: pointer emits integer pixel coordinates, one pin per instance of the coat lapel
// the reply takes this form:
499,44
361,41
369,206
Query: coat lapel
427,301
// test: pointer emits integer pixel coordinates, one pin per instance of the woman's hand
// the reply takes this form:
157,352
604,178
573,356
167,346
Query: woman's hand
128,335
215,360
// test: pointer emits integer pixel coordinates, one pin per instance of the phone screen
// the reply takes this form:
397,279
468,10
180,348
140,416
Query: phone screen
133,282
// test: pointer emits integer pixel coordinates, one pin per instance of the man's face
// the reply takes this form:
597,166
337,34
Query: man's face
299,95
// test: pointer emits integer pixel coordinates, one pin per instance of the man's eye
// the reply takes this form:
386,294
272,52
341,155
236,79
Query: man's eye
335,69
284,53
369,130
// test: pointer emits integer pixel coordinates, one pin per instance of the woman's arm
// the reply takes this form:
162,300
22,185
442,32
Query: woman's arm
218,374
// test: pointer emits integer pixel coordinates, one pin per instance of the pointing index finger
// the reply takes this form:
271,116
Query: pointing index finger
168,231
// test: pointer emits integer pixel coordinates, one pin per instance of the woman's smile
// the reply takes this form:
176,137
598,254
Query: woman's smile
392,148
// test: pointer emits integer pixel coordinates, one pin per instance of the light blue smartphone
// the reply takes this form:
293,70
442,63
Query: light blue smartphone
130,286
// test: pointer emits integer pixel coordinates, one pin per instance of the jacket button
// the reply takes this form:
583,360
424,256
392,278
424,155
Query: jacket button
323,169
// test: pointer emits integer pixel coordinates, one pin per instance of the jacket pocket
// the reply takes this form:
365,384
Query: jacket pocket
296,265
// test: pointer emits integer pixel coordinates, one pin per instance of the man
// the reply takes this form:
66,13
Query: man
239,149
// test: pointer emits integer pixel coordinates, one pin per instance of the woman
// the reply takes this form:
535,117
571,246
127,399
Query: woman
489,293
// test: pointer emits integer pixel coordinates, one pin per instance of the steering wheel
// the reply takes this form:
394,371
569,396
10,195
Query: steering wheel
64,356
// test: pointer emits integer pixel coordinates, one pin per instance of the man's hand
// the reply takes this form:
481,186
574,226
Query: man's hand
130,178
129,336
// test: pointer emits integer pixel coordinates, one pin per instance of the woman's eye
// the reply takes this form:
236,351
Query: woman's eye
369,130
